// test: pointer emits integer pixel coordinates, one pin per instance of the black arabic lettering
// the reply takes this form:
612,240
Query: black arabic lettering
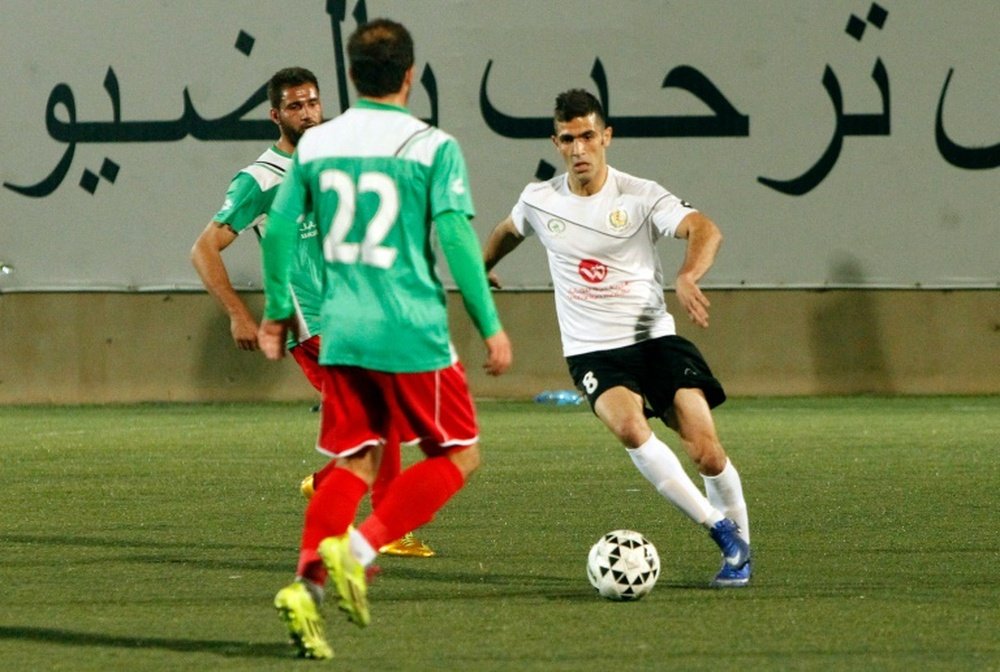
61,95
844,125
72,132
429,82
726,121
970,158
337,9
227,127
111,86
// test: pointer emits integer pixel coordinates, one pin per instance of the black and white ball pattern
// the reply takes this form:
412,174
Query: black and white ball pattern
623,565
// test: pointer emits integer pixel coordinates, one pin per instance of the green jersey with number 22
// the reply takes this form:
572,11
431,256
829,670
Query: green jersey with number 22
374,178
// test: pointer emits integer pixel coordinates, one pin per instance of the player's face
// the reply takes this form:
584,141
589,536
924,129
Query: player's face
300,109
582,142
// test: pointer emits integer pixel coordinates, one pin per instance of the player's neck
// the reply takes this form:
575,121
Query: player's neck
590,187
399,98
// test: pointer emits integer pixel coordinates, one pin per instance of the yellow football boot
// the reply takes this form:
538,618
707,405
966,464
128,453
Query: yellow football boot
301,616
408,546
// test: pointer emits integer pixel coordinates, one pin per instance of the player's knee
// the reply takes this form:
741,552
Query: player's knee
632,430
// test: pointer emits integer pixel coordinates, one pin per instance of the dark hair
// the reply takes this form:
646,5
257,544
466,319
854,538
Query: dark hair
380,52
578,103
285,78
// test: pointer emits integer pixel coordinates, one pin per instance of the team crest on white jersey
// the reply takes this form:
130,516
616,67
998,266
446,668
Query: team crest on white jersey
592,270
555,226
618,220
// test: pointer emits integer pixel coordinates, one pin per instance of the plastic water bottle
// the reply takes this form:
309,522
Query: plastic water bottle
559,398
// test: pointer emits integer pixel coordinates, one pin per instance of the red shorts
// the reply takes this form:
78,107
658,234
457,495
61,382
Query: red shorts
431,409
306,354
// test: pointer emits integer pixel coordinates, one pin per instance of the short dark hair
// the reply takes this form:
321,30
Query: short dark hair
578,103
380,52
285,78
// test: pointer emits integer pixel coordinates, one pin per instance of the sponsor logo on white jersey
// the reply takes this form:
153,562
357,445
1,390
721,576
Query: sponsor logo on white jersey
592,270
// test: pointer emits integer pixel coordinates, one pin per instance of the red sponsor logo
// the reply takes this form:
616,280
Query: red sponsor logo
592,270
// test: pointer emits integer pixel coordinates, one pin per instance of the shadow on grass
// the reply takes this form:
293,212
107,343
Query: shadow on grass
72,638
108,542
483,586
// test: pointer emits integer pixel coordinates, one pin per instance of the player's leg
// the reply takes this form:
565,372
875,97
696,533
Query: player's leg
691,417
348,430
621,410
412,500
435,406
328,532
407,546
333,507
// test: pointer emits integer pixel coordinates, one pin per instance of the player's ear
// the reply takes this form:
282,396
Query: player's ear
608,132
274,114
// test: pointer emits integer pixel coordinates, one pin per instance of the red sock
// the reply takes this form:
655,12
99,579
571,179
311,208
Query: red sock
331,510
412,500
321,474
388,470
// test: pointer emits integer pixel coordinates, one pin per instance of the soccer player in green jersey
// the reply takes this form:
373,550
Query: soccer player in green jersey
376,179
295,106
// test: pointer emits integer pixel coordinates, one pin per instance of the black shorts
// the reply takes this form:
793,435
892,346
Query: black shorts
654,369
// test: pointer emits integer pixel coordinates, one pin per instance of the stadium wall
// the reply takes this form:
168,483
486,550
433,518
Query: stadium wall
71,348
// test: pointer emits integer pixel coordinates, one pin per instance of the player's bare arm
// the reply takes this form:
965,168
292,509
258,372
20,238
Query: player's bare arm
501,242
703,242
206,256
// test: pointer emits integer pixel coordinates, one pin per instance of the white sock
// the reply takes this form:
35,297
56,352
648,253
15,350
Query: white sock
660,466
362,550
725,492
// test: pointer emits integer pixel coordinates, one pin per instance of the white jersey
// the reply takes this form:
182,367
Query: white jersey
602,257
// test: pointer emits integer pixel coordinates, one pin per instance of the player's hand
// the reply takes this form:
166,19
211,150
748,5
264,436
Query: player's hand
244,331
693,301
499,354
271,336
494,280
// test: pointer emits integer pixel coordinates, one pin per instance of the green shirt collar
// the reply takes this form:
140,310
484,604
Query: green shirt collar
372,105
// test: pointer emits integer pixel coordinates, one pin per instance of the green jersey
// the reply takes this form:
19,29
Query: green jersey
247,202
374,179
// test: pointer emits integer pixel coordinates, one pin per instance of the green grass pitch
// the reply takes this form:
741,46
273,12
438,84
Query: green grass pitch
153,537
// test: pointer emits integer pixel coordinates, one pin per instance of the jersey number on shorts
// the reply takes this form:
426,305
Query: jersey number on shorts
369,251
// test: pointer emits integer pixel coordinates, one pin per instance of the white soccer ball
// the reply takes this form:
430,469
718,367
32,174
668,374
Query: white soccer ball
623,565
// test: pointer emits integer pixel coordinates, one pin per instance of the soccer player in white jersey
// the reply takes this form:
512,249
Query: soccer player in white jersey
599,227
295,107
378,182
